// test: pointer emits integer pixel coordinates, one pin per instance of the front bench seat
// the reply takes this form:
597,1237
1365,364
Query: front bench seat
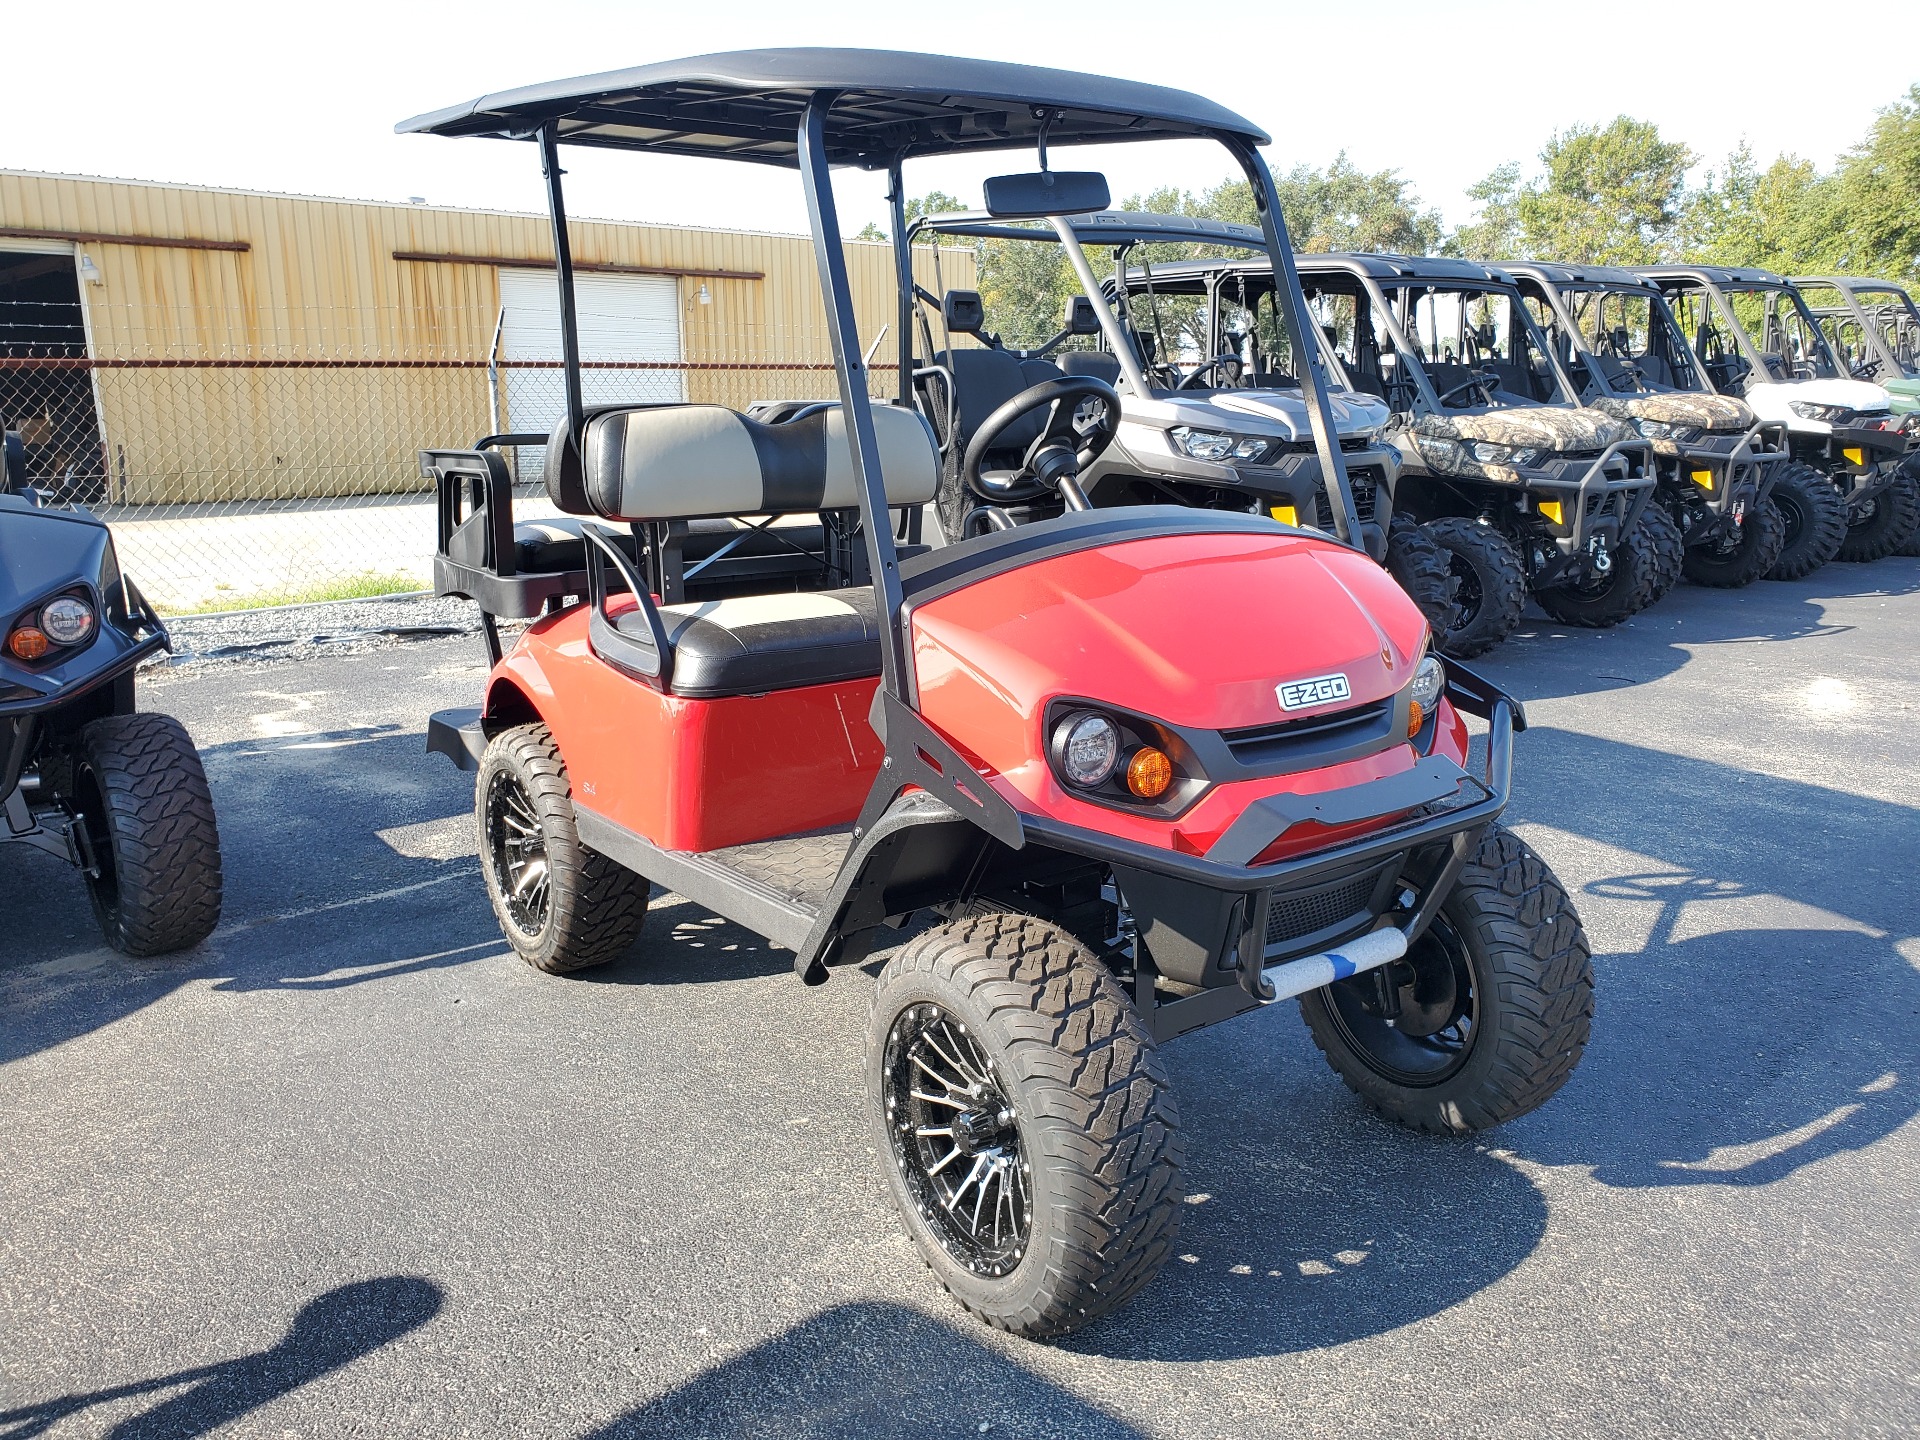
704,461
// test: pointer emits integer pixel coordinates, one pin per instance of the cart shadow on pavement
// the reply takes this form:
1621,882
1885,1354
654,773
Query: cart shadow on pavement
871,1369
1545,660
327,1334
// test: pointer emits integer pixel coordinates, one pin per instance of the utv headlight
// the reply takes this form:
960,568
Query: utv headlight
1086,747
1429,682
1487,452
1217,445
67,621
1809,410
1663,430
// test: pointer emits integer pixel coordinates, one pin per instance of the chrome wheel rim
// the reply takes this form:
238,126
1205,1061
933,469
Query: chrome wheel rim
517,848
956,1141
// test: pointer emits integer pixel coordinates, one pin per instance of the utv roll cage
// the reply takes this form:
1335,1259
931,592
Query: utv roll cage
1719,283
1895,312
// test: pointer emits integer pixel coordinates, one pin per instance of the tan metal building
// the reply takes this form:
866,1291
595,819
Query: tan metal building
166,344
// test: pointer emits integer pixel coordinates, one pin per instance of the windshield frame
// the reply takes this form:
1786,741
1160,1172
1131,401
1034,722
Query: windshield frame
1409,352
1722,295
1556,295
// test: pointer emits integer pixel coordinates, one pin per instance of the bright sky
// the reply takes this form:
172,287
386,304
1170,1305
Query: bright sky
303,97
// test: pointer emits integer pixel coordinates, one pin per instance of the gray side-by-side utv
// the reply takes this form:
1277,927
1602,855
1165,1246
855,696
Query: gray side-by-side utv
1716,460
1225,428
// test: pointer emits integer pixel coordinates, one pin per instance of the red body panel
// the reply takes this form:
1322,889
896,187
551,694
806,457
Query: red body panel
694,774
1194,630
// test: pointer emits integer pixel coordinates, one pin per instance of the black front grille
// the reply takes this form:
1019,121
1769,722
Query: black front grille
1296,915
1264,745
1363,502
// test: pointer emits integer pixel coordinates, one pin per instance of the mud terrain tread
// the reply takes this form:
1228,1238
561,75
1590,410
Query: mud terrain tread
598,913
1896,515
1669,548
1823,520
1911,545
1503,585
1521,916
1087,1067
1420,567
1761,539
1639,570
165,839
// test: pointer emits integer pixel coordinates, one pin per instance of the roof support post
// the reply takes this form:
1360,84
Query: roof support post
903,268
1293,312
563,267
837,290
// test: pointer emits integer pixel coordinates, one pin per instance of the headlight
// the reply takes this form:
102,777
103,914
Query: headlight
1086,747
1487,452
1831,414
1662,430
1429,682
67,621
1218,444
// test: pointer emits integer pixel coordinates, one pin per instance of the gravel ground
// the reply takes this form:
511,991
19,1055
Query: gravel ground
305,632
353,1169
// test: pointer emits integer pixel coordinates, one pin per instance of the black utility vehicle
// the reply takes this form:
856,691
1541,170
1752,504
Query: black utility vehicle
117,794
1613,332
1527,489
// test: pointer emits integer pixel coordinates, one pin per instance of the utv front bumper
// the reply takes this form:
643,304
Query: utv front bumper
1727,476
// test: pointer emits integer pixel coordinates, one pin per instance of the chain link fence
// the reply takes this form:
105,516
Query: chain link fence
241,468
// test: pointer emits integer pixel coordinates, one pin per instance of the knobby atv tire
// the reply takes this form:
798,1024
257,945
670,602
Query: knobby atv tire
1490,586
1911,545
1815,517
1533,983
1755,552
1888,526
1641,564
595,907
1669,547
1096,1116
149,815
1421,567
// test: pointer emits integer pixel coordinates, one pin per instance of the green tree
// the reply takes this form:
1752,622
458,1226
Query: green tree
1785,217
1878,194
1495,233
1611,195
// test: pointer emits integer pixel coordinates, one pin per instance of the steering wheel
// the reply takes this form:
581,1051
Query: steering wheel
1191,380
1485,381
1062,450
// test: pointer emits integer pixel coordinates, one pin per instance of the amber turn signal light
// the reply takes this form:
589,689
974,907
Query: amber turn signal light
1416,717
1149,773
28,643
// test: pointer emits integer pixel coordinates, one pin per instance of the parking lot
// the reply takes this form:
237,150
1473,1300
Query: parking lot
351,1168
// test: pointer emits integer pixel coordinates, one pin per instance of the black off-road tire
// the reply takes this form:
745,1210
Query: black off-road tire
1490,586
1669,547
1640,565
143,794
1754,552
594,907
1911,545
1532,985
1421,567
1095,1116
1888,526
1815,517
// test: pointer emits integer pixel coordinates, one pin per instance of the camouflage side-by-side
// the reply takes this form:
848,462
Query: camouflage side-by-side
1444,441
1707,414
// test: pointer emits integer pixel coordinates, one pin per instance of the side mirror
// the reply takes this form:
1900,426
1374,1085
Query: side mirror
1040,193
1082,318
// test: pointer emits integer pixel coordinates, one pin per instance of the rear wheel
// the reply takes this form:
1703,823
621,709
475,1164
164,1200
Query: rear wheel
1026,1127
1887,521
1911,545
1815,518
1495,1002
561,905
1421,567
1640,568
1744,557
1490,585
142,792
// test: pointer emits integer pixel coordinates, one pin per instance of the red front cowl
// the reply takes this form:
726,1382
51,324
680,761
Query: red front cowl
1198,631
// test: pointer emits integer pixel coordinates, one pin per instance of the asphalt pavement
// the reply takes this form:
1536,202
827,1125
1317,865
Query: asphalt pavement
353,1169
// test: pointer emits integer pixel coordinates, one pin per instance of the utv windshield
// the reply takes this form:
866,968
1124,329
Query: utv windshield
1777,323
1224,319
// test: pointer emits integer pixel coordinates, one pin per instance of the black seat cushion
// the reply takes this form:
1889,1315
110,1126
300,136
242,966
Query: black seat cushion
756,643
1097,363
556,545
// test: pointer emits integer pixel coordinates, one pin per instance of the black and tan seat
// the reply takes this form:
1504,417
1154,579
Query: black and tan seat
704,462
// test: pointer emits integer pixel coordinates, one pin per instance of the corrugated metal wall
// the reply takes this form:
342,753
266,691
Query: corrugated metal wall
303,358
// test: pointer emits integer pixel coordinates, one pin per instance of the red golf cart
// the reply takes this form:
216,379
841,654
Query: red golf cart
1103,797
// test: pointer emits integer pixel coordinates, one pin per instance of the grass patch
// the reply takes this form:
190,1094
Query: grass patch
369,585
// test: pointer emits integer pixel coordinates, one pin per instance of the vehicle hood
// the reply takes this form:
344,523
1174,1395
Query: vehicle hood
1773,400
46,550
1904,392
1442,441
1281,413
1193,629
1716,414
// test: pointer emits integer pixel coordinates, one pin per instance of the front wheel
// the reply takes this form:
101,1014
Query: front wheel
143,795
1490,585
1421,567
1637,577
1889,521
1815,517
1744,557
1028,1132
562,906
1488,1012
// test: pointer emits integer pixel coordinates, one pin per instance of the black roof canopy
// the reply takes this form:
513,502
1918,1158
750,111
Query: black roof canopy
747,105
1577,276
1711,274
1103,227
